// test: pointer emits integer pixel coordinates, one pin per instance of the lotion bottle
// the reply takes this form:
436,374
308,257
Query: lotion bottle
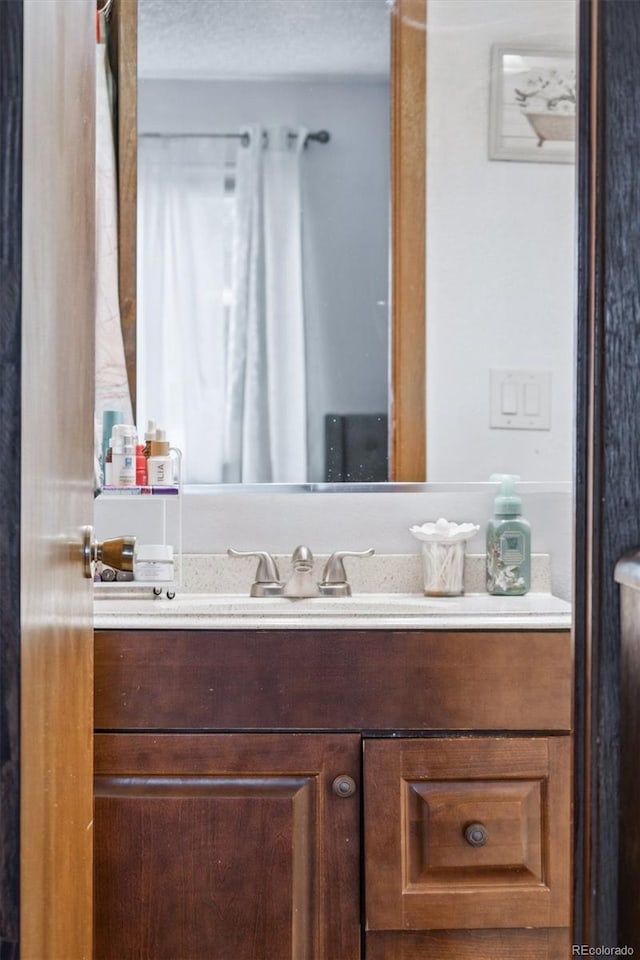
508,543
123,463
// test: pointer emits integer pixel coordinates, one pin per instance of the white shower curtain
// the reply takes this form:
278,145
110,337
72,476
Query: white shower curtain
221,362
266,409
185,220
112,384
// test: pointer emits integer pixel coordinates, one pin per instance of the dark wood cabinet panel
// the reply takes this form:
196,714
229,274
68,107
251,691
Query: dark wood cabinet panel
467,833
554,944
328,680
210,847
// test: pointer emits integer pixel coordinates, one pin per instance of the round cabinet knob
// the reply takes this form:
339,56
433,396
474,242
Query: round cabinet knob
476,834
344,786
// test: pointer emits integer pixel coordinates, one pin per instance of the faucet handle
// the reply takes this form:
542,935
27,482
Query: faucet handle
267,582
334,578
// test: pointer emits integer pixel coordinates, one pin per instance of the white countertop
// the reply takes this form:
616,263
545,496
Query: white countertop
133,608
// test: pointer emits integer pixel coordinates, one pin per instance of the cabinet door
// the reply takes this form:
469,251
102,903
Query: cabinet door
467,833
220,846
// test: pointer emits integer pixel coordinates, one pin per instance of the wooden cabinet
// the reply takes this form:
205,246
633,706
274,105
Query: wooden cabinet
211,847
467,834
297,823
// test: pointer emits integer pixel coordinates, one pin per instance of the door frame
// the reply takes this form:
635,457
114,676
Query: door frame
607,511
11,42
607,452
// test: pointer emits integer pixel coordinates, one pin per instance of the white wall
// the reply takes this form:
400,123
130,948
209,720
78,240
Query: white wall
500,237
345,215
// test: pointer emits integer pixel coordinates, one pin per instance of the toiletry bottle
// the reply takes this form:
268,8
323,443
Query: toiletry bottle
117,450
508,543
109,420
108,467
141,466
150,434
160,464
123,455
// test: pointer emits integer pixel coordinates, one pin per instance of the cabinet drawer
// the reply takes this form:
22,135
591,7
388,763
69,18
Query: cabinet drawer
467,833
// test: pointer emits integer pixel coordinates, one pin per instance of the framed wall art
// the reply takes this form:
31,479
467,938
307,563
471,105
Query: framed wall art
533,105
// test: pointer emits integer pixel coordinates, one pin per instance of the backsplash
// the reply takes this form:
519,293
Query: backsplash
214,519
382,573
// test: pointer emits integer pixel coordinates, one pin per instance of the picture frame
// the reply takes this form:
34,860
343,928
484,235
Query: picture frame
532,106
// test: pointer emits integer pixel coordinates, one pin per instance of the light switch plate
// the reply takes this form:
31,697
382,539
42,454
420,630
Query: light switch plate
520,400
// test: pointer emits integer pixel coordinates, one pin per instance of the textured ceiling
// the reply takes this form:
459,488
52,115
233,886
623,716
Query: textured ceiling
259,38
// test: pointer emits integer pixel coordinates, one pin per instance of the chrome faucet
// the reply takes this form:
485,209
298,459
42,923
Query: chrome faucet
301,582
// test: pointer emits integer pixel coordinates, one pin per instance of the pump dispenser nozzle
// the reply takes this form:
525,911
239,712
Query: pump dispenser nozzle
507,502
159,444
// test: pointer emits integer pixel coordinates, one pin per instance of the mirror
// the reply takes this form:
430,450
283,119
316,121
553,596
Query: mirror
499,257
263,223
406,396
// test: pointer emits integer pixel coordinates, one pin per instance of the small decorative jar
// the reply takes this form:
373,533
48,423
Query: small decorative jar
443,553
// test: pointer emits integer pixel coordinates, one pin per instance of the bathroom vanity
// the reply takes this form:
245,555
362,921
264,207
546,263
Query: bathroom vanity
300,788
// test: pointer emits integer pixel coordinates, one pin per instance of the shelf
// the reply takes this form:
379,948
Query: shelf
135,589
151,492
150,527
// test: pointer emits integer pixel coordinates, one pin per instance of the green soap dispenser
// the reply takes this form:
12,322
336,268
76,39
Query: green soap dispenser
508,543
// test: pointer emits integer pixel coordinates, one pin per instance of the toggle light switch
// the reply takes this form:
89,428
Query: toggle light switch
531,393
509,397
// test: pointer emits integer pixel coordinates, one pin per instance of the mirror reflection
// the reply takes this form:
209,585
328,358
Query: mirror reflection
303,348
500,238
263,222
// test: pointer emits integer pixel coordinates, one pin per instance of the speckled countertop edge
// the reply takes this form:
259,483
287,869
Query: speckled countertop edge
356,623
471,612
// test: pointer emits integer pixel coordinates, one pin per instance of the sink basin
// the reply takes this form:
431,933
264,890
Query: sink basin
368,607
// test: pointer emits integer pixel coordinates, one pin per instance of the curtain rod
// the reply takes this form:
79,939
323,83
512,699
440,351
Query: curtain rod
320,136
